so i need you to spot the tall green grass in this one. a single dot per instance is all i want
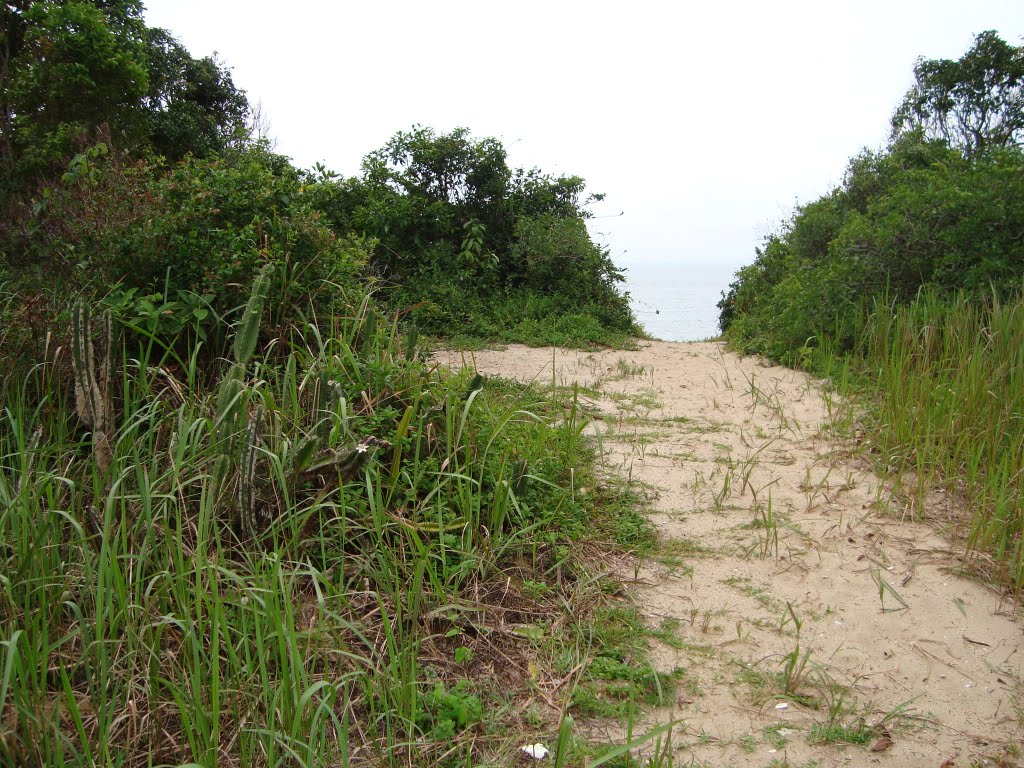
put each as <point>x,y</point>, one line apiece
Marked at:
<point>947,375</point>
<point>278,557</point>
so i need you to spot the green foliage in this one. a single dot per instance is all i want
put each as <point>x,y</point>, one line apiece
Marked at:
<point>462,237</point>
<point>192,105</point>
<point>300,549</point>
<point>187,313</point>
<point>618,678</point>
<point>251,532</point>
<point>941,207</point>
<point>73,72</point>
<point>919,215</point>
<point>974,104</point>
<point>67,71</point>
<point>947,395</point>
<point>444,712</point>
<point>173,249</point>
<point>911,272</point>
<point>555,255</point>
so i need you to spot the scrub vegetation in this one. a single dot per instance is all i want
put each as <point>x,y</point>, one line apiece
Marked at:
<point>903,285</point>
<point>244,520</point>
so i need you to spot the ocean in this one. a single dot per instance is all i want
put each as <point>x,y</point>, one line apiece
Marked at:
<point>675,301</point>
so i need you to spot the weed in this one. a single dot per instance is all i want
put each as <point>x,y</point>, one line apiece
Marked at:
<point>628,369</point>
<point>616,677</point>
<point>857,732</point>
<point>885,588</point>
<point>765,519</point>
<point>268,561</point>
<point>777,735</point>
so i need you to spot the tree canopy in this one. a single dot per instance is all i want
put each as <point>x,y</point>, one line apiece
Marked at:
<point>74,71</point>
<point>940,208</point>
<point>974,103</point>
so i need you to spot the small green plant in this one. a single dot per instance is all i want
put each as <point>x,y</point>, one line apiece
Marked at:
<point>766,521</point>
<point>885,588</point>
<point>856,732</point>
<point>794,670</point>
<point>777,735</point>
<point>444,712</point>
<point>628,369</point>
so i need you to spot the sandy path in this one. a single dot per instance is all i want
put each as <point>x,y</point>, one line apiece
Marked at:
<point>775,527</point>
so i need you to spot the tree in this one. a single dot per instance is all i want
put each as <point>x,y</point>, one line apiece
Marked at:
<point>422,189</point>
<point>72,71</point>
<point>462,235</point>
<point>974,103</point>
<point>449,168</point>
<point>192,105</point>
<point>66,70</point>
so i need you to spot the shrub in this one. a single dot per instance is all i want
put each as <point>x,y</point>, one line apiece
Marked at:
<point>174,247</point>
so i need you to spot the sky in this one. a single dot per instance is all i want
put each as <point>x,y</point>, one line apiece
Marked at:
<point>703,123</point>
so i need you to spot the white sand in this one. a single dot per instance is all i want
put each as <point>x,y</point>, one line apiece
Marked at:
<point>683,418</point>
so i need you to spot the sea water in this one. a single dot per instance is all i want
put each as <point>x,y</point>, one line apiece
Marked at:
<point>675,300</point>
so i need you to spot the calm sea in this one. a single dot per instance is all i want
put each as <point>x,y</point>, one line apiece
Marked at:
<point>675,301</point>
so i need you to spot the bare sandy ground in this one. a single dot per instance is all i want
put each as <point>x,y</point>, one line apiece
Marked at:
<point>802,612</point>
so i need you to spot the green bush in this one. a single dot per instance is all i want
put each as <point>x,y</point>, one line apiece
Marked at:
<point>173,249</point>
<point>464,238</point>
<point>918,216</point>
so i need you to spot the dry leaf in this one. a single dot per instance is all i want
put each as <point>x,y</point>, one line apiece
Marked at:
<point>881,744</point>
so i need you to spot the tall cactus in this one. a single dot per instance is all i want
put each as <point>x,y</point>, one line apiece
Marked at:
<point>229,397</point>
<point>251,517</point>
<point>249,329</point>
<point>231,407</point>
<point>92,382</point>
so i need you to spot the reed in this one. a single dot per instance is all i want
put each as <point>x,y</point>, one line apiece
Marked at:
<point>947,379</point>
<point>266,570</point>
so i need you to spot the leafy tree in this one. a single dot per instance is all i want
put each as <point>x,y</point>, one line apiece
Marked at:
<point>462,233</point>
<point>422,189</point>
<point>66,70</point>
<point>73,72</point>
<point>920,215</point>
<point>192,105</point>
<point>474,245</point>
<point>448,168</point>
<point>177,248</point>
<point>974,103</point>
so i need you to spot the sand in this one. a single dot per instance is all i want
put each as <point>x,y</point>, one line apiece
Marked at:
<point>787,546</point>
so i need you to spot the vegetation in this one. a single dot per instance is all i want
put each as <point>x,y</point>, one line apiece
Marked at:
<point>243,520</point>
<point>909,277</point>
<point>474,245</point>
<point>299,563</point>
<point>131,177</point>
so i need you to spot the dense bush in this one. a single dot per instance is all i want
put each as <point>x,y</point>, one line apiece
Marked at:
<point>465,239</point>
<point>918,215</point>
<point>172,249</point>
<point>74,72</point>
<point>937,209</point>
<point>131,181</point>
<point>909,275</point>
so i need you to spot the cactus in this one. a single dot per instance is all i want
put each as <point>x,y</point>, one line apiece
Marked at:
<point>410,343</point>
<point>367,348</point>
<point>92,383</point>
<point>251,519</point>
<point>249,329</point>
<point>231,406</point>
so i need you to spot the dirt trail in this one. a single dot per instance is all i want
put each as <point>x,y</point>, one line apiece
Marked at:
<point>801,609</point>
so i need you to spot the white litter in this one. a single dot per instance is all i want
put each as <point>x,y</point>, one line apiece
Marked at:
<point>782,705</point>
<point>536,751</point>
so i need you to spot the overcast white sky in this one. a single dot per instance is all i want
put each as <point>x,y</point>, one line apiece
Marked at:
<point>703,122</point>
